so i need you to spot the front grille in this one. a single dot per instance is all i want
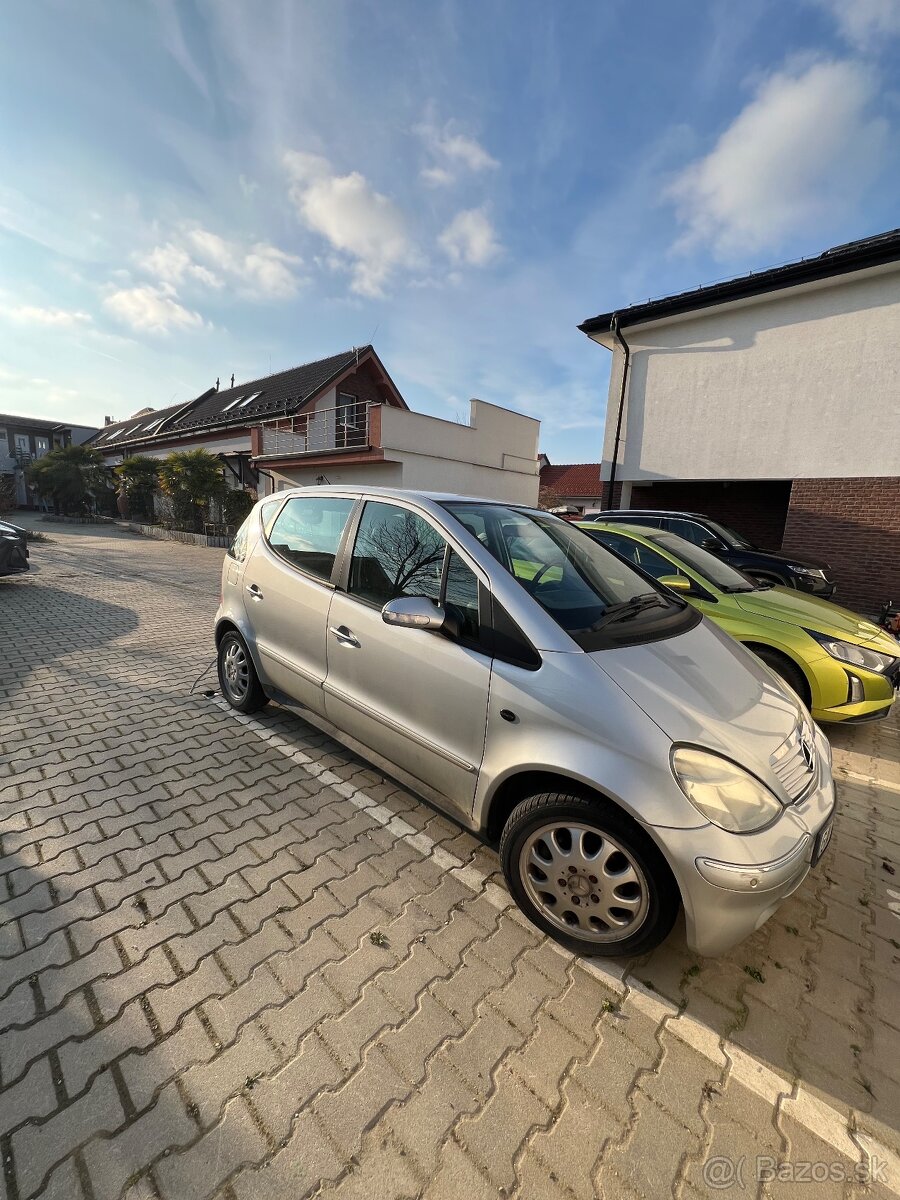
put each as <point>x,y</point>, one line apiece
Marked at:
<point>794,762</point>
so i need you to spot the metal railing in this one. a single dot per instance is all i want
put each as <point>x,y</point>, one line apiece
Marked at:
<point>344,427</point>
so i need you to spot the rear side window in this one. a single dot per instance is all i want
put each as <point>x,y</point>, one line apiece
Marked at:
<point>307,532</point>
<point>689,530</point>
<point>238,548</point>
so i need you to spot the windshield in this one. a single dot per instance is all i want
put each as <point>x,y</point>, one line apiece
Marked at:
<point>730,536</point>
<point>581,584</point>
<point>726,578</point>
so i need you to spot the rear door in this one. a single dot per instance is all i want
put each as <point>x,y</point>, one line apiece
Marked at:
<point>416,698</point>
<point>287,590</point>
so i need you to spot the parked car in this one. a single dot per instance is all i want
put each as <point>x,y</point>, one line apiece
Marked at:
<point>13,549</point>
<point>628,755</point>
<point>843,667</point>
<point>804,574</point>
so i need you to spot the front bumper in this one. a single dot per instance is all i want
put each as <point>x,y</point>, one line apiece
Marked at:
<point>731,884</point>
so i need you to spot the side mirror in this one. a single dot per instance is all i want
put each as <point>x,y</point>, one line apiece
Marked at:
<point>677,583</point>
<point>416,612</point>
<point>713,545</point>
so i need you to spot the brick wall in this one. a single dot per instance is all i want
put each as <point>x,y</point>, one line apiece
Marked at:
<point>757,509</point>
<point>361,385</point>
<point>853,524</point>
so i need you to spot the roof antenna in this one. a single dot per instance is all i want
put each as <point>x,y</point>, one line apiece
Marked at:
<point>232,378</point>
<point>217,383</point>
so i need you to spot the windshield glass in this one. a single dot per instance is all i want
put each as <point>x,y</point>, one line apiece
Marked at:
<point>726,578</point>
<point>580,583</point>
<point>730,536</point>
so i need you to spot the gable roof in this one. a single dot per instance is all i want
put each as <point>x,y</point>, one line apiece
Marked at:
<point>873,251</point>
<point>30,422</point>
<point>145,425</point>
<point>573,479</point>
<point>282,392</point>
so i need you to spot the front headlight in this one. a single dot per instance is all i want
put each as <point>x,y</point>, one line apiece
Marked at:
<point>808,572</point>
<point>723,792</point>
<point>856,656</point>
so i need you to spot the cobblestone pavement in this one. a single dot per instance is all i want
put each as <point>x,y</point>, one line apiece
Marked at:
<point>236,961</point>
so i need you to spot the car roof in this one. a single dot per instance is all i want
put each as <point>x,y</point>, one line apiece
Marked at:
<point>615,513</point>
<point>638,531</point>
<point>357,489</point>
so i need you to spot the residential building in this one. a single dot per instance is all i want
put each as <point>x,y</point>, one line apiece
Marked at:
<point>342,419</point>
<point>494,455</point>
<point>571,485</point>
<point>23,440</point>
<point>772,402</point>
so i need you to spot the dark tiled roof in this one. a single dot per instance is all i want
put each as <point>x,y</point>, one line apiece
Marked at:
<point>839,260</point>
<point>273,394</point>
<point>30,422</point>
<point>572,479</point>
<point>148,425</point>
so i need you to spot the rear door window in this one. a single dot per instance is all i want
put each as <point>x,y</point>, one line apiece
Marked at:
<point>307,532</point>
<point>689,530</point>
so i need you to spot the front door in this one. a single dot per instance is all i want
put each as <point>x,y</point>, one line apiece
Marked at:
<point>418,699</point>
<point>287,591</point>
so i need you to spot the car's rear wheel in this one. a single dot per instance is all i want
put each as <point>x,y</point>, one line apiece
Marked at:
<point>586,874</point>
<point>786,670</point>
<point>237,675</point>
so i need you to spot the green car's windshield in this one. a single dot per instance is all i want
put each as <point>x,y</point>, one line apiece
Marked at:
<point>726,578</point>
<point>582,585</point>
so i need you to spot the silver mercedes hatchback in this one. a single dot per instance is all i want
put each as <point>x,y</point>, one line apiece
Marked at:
<point>628,756</point>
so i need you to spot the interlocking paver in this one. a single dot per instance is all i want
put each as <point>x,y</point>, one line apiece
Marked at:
<point>197,1004</point>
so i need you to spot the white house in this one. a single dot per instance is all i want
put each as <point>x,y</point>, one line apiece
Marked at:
<point>772,402</point>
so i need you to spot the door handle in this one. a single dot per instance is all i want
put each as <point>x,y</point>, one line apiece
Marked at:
<point>344,635</point>
<point>254,591</point>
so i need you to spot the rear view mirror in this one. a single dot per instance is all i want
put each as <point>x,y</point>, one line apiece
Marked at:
<point>677,583</point>
<point>416,612</point>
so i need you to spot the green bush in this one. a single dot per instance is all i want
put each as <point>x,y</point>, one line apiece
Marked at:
<point>237,505</point>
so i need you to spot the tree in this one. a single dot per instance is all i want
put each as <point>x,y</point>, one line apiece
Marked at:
<point>139,479</point>
<point>192,478</point>
<point>72,476</point>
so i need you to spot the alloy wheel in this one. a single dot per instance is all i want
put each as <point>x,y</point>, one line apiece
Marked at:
<point>236,671</point>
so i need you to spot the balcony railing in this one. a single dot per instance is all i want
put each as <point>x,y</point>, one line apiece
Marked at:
<point>345,427</point>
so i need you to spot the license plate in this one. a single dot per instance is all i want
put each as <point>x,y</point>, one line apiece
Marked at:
<point>823,837</point>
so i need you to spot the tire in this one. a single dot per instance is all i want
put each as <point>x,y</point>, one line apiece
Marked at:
<point>237,675</point>
<point>554,825</point>
<point>786,670</point>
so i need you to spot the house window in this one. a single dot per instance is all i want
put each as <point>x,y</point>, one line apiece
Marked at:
<point>350,421</point>
<point>41,446</point>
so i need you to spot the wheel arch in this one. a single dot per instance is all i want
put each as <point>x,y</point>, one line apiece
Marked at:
<point>777,652</point>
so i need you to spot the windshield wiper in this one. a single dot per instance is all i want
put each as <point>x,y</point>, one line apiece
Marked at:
<point>628,609</point>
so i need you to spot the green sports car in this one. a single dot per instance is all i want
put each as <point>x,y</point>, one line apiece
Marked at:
<point>842,666</point>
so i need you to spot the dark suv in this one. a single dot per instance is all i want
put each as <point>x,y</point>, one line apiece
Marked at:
<point>13,549</point>
<point>807,575</point>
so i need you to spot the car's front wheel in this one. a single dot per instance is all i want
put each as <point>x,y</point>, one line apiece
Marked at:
<point>586,874</point>
<point>237,675</point>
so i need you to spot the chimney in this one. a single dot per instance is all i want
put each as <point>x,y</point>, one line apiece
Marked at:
<point>108,421</point>
<point>217,383</point>
<point>232,378</point>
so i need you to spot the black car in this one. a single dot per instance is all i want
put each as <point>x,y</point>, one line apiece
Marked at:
<point>13,549</point>
<point>807,575</point>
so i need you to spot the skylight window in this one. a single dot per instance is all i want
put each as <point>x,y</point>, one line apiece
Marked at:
<point>154,425</point>
<point>112,437</point>
<point>232,403</point>
<point>250,399</point>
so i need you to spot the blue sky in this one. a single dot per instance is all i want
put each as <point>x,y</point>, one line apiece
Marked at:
<point>190,188</point>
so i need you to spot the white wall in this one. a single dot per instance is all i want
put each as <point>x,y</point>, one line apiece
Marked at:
<point>221,445</point>
<point>803,383</point>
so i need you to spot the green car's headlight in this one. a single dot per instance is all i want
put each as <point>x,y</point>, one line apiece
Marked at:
<point>855,656</point>
<point>723,792</point>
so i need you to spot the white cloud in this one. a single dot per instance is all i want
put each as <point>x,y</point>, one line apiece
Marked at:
<point>151,309</point>
<point>799,155</point>
<point>864,23</point>
<point>470,238</point>
<point>32,314</point>
<point>366,229</point>
<point>453,152</point>
<point>260,271</point>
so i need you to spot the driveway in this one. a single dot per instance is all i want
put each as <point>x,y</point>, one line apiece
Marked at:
<point>238,962</point>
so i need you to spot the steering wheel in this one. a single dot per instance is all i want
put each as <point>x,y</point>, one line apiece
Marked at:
<point>536,579</point>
